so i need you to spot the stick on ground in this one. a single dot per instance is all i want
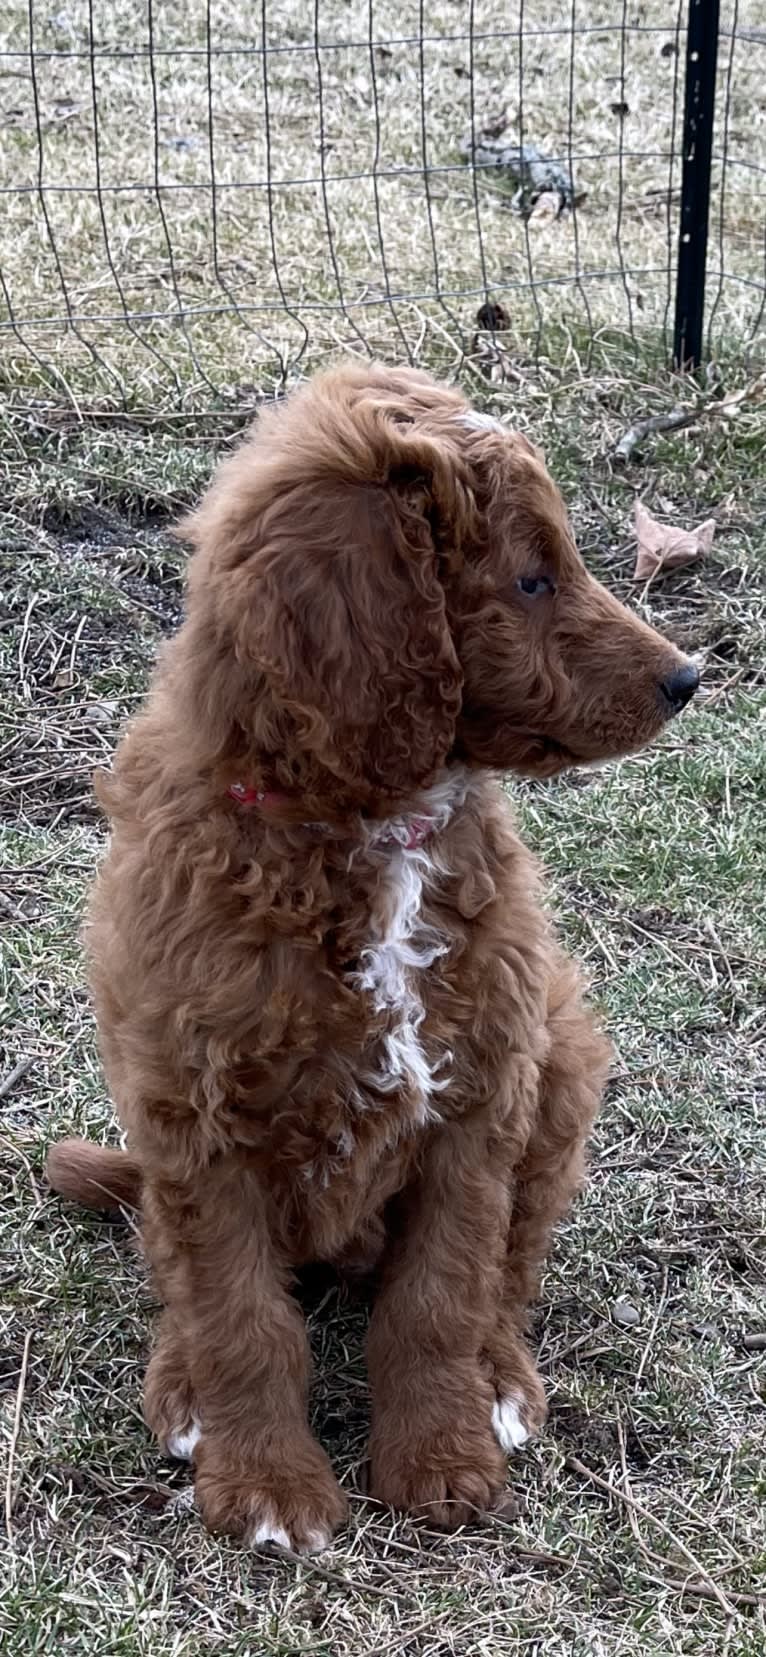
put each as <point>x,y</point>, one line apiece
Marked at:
<point>575,1465</point>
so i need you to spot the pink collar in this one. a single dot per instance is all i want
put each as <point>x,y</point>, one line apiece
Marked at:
<point>410,833</point>
<point>407,832</point>
<point>245,795</point>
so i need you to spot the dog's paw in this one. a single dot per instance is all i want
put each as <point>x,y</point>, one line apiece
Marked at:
<point>181,1443</point>
<point>449,1478</point>
<point>520,1405</point>
<point>169,1406</point>
<point>266,1529</point>
<point>284,1494</point>
<point>515,1419</point>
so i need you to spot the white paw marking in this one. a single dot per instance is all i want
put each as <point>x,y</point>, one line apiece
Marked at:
<point>475,421</point>
<point>270,1531</point>
<point>507,1424</point>
<point>182,1445</point>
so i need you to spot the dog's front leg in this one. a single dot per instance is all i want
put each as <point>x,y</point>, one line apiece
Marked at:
<point>432,1449</point>
<point>259,1472</point>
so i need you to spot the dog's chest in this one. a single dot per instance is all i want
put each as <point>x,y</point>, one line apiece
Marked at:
<point>400,953</point>
<point>383,1069</point>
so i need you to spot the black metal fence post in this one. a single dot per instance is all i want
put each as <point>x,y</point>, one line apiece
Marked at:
<point>699,110</point>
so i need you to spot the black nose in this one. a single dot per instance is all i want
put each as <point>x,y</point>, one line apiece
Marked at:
<point>679,688</point>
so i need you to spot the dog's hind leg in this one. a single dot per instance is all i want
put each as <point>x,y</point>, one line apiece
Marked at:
<point>95,1175</point>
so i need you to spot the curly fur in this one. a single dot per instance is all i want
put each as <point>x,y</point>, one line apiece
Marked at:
<point>330,1037</point>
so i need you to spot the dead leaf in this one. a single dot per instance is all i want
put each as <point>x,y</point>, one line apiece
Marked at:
<point>546,208</point>
<point>100,714</point>
<point>662,547</point>
<point>733,401</point>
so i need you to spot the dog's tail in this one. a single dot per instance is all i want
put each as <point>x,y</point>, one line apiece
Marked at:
<point>94,1175</point>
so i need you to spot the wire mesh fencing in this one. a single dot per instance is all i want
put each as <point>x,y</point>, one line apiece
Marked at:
<point>202,198</point>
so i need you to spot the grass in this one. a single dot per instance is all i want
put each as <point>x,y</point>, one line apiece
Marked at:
<point>642,1505</point>
<point>657,871</point>
<point>259,209</point>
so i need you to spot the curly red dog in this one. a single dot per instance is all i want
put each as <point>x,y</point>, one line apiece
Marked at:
<point>333,1015</point>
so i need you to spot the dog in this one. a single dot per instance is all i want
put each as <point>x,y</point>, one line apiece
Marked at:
<point>335,1020</point>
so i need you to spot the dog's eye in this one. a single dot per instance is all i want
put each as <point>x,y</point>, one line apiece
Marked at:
<point>533,586</point>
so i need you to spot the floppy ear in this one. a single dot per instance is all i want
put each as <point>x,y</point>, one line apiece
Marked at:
<point>342,610</point>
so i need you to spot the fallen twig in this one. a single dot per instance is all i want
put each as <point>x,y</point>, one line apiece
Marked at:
<point>657,1558</point>
<point>703,1590</point>
<point>47,776</point>
<point>676,419</point>
<point>334,1579</point>
<point>602,945</point>
<point>15,1430</point>
<point>713,1590</point>
<point>20,1069</point>
<point>713,696</point>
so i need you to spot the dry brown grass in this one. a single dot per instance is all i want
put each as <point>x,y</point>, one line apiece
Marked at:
<point>162,247</point>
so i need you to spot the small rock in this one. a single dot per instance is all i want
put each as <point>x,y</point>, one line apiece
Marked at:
<point>180,1502</point>
<point>181,141</point>
<point>101,714</point>
<point>625,1314</point>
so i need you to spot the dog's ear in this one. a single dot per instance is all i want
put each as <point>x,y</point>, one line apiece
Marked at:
<point>322,545</point>
<point>343,611</point>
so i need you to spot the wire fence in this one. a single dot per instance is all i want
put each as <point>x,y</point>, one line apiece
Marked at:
<point>203,198</point>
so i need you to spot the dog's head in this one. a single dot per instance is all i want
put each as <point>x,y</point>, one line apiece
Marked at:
<point>385,580</point>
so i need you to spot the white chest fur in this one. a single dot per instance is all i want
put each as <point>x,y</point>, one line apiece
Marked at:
<point>402,947</point>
